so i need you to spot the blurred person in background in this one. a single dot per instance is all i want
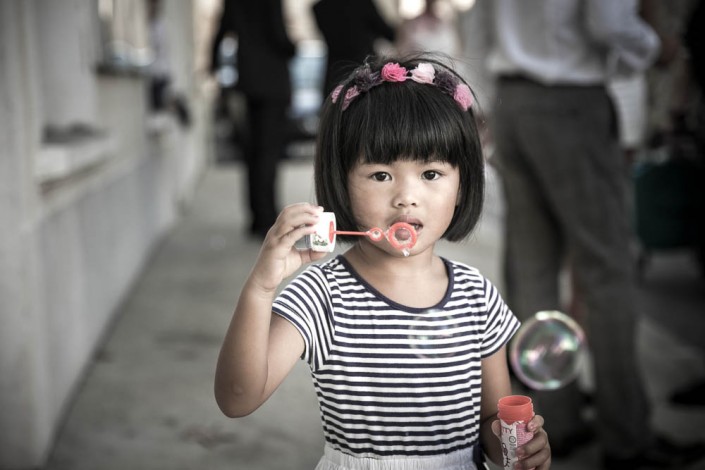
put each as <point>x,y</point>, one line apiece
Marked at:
<point>160,67</point>
<point>162,96</point>
<point>562,169</point>
<point>263,54</point>
<point>350,29</point>
<point>629,90</point>
<point>683,119</point>
<point>633,101</point>
<point>431,31</point>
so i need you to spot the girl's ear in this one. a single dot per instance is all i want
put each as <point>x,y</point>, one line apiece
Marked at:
<point>458,196</point>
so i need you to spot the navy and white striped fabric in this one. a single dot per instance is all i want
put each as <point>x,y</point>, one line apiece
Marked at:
<point>393,380</point>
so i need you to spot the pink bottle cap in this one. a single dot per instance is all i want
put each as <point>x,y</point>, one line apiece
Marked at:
<point>515,408</point>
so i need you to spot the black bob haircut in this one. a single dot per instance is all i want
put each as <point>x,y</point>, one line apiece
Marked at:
<point>398,121</point>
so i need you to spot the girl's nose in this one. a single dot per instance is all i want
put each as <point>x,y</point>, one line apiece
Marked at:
<point>405,195</point>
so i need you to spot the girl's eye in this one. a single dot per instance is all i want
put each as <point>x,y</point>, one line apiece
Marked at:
<point>431,175</point>
<point>381,176</point>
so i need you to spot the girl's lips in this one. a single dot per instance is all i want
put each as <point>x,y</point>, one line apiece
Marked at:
<point>413,221</point>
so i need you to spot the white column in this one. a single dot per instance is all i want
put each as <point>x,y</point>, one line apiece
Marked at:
<point>25,421</point>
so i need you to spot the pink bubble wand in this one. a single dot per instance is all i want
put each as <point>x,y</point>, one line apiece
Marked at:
<point>401,235</point>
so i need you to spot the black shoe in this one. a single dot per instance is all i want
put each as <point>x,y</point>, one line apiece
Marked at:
<point>663,454</point>
<point>564,446</point>
<point>692,395</point>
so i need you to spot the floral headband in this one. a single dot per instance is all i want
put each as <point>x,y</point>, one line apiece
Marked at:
<point>365,79</point>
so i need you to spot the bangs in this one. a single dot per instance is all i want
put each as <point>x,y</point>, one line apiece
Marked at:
<point>412,122</point>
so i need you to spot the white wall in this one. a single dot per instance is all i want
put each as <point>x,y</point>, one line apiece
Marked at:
<point>71,245</point>
<point>72,68</point>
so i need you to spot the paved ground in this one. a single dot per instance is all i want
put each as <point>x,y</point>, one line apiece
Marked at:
<point>147,402</point>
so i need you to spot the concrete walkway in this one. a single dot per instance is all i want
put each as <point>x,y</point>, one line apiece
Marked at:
<point>147,400</point>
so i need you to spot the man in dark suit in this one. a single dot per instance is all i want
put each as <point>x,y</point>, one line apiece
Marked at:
<point>264,50</point>
<point>350,29</point>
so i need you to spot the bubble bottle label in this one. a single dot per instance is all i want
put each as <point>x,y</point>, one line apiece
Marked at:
<point>323,239</point>
<point>513,435</point>
<point>515,412</point>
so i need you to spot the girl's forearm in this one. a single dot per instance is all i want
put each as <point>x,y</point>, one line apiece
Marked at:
<point>242,370</point>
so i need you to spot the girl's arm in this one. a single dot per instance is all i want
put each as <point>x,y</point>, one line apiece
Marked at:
<point>535,454</point>
<point>495,385</point>
<point>260,348</point>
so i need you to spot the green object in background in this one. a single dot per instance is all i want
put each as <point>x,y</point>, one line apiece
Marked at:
<point>663,208</point>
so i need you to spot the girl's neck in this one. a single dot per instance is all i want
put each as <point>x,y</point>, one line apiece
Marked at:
<point>418,280</point>
<point>371,258</point>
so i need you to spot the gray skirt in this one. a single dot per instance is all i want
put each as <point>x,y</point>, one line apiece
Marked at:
<point>335,460</point>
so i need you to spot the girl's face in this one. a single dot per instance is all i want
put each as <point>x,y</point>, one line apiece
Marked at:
<point>421,194</point>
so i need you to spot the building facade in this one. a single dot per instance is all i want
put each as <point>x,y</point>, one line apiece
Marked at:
<point>90,179</point>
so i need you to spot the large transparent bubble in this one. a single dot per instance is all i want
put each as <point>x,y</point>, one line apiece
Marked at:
<point>548,351</point>
<point>434,334</point>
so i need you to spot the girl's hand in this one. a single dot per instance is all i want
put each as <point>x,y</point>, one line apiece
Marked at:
<point>535,454</point>
<point>278,259</point>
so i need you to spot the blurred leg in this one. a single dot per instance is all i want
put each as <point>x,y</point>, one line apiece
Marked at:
<point>570,139</point>
<point>267,121</point>
<point>534,243</point>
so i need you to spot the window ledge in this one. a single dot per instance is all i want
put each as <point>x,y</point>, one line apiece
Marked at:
<point>160,123</point>
<point>122,69</point>
<point>61,160</point>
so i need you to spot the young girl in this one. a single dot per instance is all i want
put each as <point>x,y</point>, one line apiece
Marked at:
<point>406,350</point>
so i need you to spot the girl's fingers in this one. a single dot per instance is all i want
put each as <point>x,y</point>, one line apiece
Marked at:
<point>496,428</point>
<point>278,258</point>
<point>541,460</point>
<point>539,441</point>
<point>535,423</point>
<point>294,217</point>
<point>536,452</point>
<point>291,219</point>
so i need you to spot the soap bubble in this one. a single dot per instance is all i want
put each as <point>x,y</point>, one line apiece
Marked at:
<point>548,351</point>
<point>432,334</point>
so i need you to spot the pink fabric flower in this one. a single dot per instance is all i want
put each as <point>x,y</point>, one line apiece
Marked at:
<point>335,93</point>
<point>423,73</point>
<point>349,96</point>
<point>393,72</point>
<point>463,96</point>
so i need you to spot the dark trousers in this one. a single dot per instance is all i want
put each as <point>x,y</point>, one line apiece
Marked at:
<point>564,186</point>
<point>267,124</point>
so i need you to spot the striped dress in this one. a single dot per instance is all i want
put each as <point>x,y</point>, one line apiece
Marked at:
<point>394,381</point>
